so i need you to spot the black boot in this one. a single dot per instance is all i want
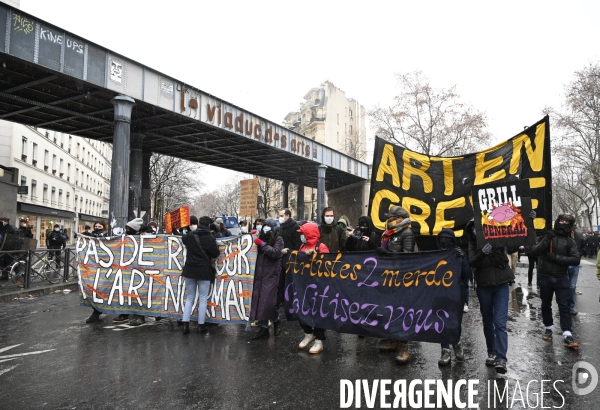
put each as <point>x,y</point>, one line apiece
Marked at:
<point>277,328</point>
<point>263,333</point>
<point>202,328</point>
<point>186,328</point>
<point>95,317</point>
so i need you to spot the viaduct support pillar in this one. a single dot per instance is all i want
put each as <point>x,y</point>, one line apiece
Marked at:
<point>285,186</point>
<point>321,191</point>
<point>119,182</point>
<point>146,201</point>
<point>135,175</point>
<point>300,202</point>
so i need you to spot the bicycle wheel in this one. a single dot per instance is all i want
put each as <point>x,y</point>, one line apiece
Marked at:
<point>51,272</point>
<point>17,273</point>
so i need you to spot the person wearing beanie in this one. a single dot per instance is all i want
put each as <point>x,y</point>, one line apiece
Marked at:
<point>397,238</point>
<point>133,226</point>
<point>446,240</point>
<point>202,249</point>
<point>556,252</point>
<point>266,280</point>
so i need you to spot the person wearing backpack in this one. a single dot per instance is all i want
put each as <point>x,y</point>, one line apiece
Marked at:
<point>556,252</point>
<point>56,240</point>
<point>330,233</point>
<point>202,248</point>
<point>311,243</point>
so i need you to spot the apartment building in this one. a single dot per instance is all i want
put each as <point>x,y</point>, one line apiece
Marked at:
<point>64,179</point>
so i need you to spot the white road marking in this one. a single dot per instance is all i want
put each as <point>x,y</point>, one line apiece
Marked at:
<point>7,360</point>
<point>24,354</point>
<point>4,349</point>
<point>8,369</point>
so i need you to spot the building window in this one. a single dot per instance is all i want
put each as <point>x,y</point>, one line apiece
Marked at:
<point>338,119</point>
<point>68,172</point>
<point>61,169</point>
<point>70,143</point>
<point>46,160</point>
<point>350,112</point>
<point>54,164</point>
<point>33,193</point>
<point>338,137</point>
<point>24,149</point>
<point>350,129</point>
<point>34,154</point>
<point>45,194</point>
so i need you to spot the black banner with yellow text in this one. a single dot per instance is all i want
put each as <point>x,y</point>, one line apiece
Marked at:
<point>436,191</point>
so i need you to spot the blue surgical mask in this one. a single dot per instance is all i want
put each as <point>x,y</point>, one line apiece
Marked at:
<point>303,238</point>
<point>57,229</point>
<point>266,229</point>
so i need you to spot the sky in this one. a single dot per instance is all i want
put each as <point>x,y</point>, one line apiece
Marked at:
<point>509,59</point>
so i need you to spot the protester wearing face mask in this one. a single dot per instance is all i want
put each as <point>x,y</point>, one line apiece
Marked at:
<point>556,252</point>
<point>397,238</point>
<point>364,237</point>
<point>310,238</point>
<point>243,227</point>
<point>492,275</point>
<point>55,240</point>
<point>100,229</point>
<point>201,249</point>
<point>24,231</point>
<point>258,223</point>
<point>266,279</point>
<point>331,234</point>
<point>446,240</point>
<point>288,229</point>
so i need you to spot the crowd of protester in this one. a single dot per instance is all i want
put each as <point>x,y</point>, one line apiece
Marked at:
<point>491,269</point>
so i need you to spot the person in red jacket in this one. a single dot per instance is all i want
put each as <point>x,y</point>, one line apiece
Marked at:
<point>310,243</point>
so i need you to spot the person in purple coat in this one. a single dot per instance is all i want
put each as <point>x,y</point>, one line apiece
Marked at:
<point>266,279</point>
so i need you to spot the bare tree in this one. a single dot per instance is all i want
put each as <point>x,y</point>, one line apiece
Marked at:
<point>173,183</point>
<point>428,120</point>
<point>356,145</point>
<point>270,190</point>
<point>578,123</point>
<point>574,192</point>
<point>222,201</point>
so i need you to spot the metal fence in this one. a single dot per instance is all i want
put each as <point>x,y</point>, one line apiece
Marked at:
<point>25,267</point>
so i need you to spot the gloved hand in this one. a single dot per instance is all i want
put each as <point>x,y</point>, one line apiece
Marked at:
<point>532,214</point>
<point>487,249</point>
<point>382,251</point>
<point>551,257</point>
<point>550,234</point>
<point>285,251</point>
<point>259,242</point>
<point>310,252</point>
<point>460,252</point>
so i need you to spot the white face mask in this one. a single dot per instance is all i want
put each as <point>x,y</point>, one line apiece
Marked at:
<point>184,231</point>
<point>244,229</point>
<point>57,229</point>
<point>266,229</point>
<point>303,238</point>
<point>258,228</point>
<point>329,220</point>
<point>281,219</point>
<point>23,225</point>
<point>193,227</point>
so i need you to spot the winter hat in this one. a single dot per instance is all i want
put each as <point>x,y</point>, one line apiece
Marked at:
<point>135,224</point>
<point>193,220</point>
<point>5,219</point>
<point>219,220</point>
<point>397,211</point>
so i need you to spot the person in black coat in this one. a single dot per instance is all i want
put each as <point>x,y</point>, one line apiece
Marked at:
<point>288,230</point>
<point>24,231</point>
<point>266,279</point>
<point>201,248</point>
<point>556,252</point>
<point>492,275</point>
<point>364,237</point>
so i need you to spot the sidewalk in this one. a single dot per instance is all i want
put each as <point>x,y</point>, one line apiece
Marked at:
<point>10,292</point>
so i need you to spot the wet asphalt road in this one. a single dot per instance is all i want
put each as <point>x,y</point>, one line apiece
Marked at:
<point>50,359</point>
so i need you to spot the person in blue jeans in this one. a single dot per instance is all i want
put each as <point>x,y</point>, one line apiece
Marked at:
<point>201,247</point>
<point>447,240</point>
<point>573,273</point>
<point>556,252</point>
<point>492,275</point>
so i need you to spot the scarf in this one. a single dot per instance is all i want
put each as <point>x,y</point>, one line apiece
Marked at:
<point>393,227</point>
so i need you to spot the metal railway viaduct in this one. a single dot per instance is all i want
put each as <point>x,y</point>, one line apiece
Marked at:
<point>53,79</point>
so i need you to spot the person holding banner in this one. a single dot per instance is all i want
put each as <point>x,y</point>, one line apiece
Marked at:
<point>198,271</point>
<point>364,237</point>
<point>492,275</point>
<point>397,238</point>
<point>447,240</point>
<point>310,237</point>
<point>556,252</point>
<point>266,280</point>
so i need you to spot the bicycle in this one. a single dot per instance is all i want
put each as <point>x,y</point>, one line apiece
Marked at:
<point>48,271</point>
